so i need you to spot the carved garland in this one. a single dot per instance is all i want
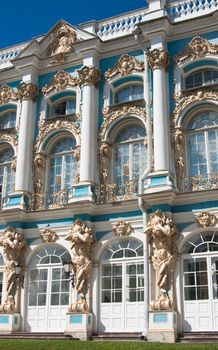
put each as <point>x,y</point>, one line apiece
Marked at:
<point>126,65</point>
<point>61,81</point>
<point>197,48</point>
<point>7,94</point>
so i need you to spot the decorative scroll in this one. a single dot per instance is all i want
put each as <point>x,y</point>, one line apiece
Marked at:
<point>62,43</point>
<point>45,127</point>
<point>122,228</point>
<point>49,236</point>
<point>185,99</point>
<point>197,48</point>
<point>206,219</point>
<point>163,235</point>
<point>7,94</point>
<point>89,75</point>
<point>82,238</point>
<point>179,145</point>
<point>126,65</point>
<point>111,114</point>
<point>9,137</point>
<point>14,246</point>
<point>28,91</point>
<point>158,59</point>
<point>61,81</point>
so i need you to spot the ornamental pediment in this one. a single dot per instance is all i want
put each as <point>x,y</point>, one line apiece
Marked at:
<point>126,65</point>
<point>197,48</point>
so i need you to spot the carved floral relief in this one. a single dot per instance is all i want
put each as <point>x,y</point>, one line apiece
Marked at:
<point>7,94</point>
<point>122,228</point>
<point>206,219</point>
<point>61,81</point>
<point>126,65</point>
<point>48,235</point>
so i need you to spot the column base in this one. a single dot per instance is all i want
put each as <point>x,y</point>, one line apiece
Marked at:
<point>9,323</point>
<point>162,326</point>
<point>79,325</point>
<point>15,200</point>
<point>82,191</point>
<point>158,181</point>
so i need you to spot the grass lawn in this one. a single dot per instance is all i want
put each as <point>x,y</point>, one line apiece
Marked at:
<point>91,345</point>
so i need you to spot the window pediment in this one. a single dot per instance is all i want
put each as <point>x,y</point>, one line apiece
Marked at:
<point>197,48</point>
<point>125,65</point>
<point>62,81</point>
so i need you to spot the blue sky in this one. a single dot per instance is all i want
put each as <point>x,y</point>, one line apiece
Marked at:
<point>22,20</point>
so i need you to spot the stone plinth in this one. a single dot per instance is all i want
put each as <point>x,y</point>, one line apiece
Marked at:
<point>162,326</point>
<point>9,323</point>
<point>79,325</point>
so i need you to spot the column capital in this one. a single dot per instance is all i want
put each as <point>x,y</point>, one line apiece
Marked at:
<point>89,75</point>
<point>28,91</point>
<point>158,59</point>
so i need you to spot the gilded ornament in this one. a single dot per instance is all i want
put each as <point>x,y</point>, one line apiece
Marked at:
<point>197,48</point>
<point>28,91</point>
<point>45,127</point>
<point>158,59</point>
<point>163,235</point>
<point>13,248</point>
<point>61,43</point>
<point>62,80</point>
<point>7,94</point>
<point>122,228</point>
<point>111,114</point>
<point>105,154</point>
<point>82,238</point>
<point>39,164</point>
<point>179,149</point>
<point>9,137</point>
<point>49,236</point>
<point>89,76</point>
<point>206,219</point>
<point>126,65</point>
<point>184,99</point>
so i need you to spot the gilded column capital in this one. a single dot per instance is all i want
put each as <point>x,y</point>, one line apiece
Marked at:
<point>28,91</point>
<point>89,75</point>
<point>158,59</point>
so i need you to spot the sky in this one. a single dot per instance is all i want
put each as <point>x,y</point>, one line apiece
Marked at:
<point>22,20</point>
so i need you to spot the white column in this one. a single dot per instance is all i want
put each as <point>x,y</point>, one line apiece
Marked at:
<point>89,77</point>
<point>23,176</point>
<point>158,60</point>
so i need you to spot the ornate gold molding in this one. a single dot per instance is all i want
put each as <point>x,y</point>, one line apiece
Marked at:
<point>7,94</point>
<point>122,228</point>
<point>39,165</point>
<point>9,137</point>
<point>110,114</point>
<point>89,76</point>
<point>179,150</point>
<point>13,249</point>
<point>158,59</point>
<point>28,91</point>
<point>125,65</point>
<point>82,238</point>
<point>61,81</point>
<point>185,99</point>
<point>163,235</point>
<point>197,48</point>
<point>61,43</point>
<point>48,235</point>
<point>206,219</point>
<point>45,127</point>
<point>104,158</point>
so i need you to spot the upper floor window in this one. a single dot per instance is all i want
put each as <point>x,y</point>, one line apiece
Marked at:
<point>129,93</point>
<point>62,165</point>
<point>202,149</point>
<point>129,154</point>
<point>201,78</point>
<point>8,120</point>
<point>65,107</point>
<point>6,172</point>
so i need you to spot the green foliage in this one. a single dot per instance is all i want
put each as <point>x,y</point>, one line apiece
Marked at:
<point>91,345</point>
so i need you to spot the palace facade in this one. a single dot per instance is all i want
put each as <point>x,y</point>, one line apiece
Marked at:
<point>109,175</point>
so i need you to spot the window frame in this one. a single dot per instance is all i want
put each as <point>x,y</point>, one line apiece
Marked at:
<point>59,102</point>
<point>5,177</point>
<point>4,114</point>
<point>202,72</point>
<point>124,86</point>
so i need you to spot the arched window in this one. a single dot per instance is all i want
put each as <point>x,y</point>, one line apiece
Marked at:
<point>1,276</point>
<point>131,92</point>
<point>129,154</point>
<point>64,107</point>
<point>201,78</point>
<point>202,149</point>
<point>8,120</point>
<point>62,165</point>
<point>6,172</point>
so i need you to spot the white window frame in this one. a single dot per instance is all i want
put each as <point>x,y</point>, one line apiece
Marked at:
<point>124,86</point>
